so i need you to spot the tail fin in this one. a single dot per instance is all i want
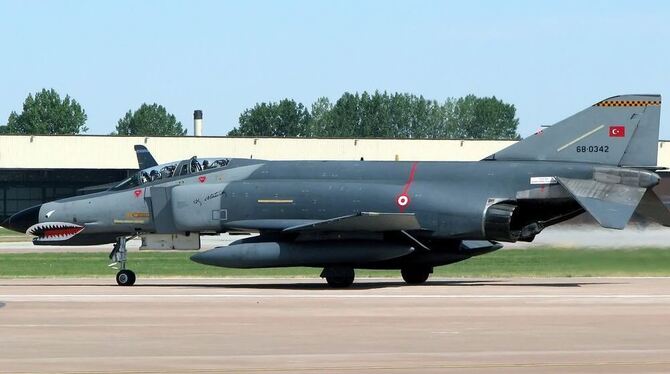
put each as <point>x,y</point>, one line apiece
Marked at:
<point>144,158</point>
<point>621,130</point>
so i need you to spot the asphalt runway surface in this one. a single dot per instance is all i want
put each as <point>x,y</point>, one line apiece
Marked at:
<point>300,325</point>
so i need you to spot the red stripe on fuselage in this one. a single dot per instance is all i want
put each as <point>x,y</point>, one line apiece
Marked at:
<point>411,178</point>
<point>405,190</point>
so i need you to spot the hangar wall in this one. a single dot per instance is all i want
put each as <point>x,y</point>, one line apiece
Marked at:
<point>116,152</point>
<point>34,169</point>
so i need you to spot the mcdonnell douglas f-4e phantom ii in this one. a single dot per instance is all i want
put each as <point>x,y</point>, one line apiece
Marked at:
<point>344,215</point>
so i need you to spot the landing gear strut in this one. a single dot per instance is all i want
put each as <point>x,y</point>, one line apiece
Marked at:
<point>338,277</point>
<point>119,255</point>
<point>416,275</point>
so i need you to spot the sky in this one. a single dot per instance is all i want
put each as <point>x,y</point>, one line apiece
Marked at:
<point>548,58</point>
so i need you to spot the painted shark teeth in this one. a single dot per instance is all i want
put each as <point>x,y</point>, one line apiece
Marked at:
<point>54,231</point>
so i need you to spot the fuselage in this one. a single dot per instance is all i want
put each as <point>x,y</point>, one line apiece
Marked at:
<point>449,199</point>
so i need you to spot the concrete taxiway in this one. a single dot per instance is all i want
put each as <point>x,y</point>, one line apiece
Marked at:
<point>287,325</point>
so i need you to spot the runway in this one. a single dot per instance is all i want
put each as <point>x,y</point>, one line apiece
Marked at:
<point>287,325</point>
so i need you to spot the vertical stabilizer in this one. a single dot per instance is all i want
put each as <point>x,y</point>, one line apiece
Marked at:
<point>621,130</point>
<point>144,158</point>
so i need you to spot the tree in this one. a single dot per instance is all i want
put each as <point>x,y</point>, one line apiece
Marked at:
<point>345,117</point>
<point>46,114</point>
<point>286,118</point>
<point>383,115</point>
<point>149,120</point>
<point>483,118</point>
<point>321,119</point>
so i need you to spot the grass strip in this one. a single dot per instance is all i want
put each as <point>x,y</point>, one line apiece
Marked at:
<point>536,262</point>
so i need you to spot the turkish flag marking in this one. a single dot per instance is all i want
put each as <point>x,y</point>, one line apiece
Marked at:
<point>137,193</point>
<point>617,131</point>
<point>202,178</point>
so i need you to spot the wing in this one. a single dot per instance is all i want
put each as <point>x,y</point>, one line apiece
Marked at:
<point>364,221</point>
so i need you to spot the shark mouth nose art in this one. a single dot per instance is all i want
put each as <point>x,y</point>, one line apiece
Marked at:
<point>54,231</point>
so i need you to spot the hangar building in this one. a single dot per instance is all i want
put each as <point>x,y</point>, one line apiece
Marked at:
<point>35,169</point>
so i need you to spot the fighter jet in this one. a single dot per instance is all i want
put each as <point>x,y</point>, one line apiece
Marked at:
<point>347,215</point>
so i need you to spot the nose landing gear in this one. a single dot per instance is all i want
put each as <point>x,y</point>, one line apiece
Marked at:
<point>119,255</point>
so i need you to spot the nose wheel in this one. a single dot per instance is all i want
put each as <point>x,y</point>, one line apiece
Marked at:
<point>119,256</point>
<point>125,277</point>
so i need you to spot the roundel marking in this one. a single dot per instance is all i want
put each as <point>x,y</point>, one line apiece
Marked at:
<point>403,200</point>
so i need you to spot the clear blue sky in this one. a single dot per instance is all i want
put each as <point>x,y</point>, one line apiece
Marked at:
<point>550,59</point>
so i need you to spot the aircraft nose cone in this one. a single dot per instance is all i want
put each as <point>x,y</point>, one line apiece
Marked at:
<point>21,221</point>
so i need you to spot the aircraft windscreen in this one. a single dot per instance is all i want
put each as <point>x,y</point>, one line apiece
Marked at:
<point>166,171</point>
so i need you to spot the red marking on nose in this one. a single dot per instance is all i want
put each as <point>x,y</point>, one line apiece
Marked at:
<point>62,231</point>
<point>137,192</point>
<point>202,178</point>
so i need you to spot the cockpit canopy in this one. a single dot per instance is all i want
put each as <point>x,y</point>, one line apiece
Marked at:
<point>162,172</point>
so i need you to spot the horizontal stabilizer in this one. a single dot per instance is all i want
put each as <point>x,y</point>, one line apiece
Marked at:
<point>652,207</point>
<point>365,221</point>
<point>611,204</point>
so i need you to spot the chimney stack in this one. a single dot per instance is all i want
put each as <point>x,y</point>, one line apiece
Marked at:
<point>197,122</point>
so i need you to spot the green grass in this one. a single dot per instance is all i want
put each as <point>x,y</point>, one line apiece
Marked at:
<point>12,236</point>
<point>5,232</point>
<point>536,262</point>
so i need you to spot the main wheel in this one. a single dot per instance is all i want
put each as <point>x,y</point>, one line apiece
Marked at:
<point>415,275</point>
<point>125,278</point>
<point>340,277</point>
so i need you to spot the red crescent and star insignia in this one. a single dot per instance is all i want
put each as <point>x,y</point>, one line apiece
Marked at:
<point>617,131</point>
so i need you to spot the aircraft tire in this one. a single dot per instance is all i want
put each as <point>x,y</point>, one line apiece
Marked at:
<point>415,275</point>
<point>342,280</point>
<point>125,278</point>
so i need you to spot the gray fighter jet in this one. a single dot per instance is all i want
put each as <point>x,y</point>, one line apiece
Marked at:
<point>345,215</point>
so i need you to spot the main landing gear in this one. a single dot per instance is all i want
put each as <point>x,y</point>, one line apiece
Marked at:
<point>339,277</point>
<point>343,277</point>
<point>416,275</point>
<point>119,257</point>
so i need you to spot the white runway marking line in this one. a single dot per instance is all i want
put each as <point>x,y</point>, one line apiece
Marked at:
<point>143,297</point>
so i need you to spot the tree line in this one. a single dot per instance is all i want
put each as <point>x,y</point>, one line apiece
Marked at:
<point>382,115</point>
<point>364,115</point>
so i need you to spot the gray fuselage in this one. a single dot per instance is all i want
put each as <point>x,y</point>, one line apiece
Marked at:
<point>448,198</point>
